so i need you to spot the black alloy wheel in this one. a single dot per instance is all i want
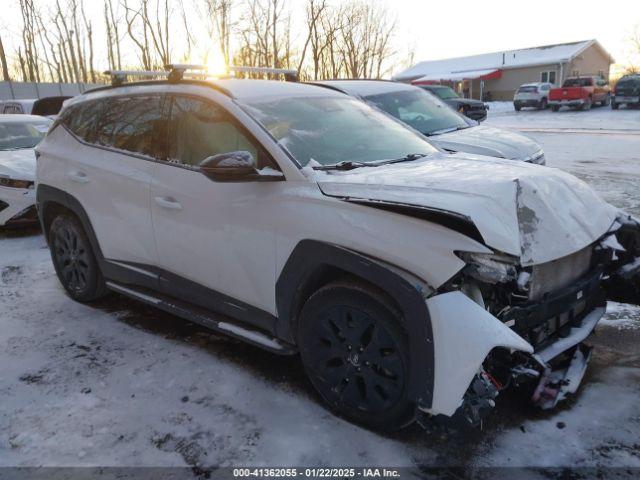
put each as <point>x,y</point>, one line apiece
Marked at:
<point>74,260</point>
<point>355,355</point>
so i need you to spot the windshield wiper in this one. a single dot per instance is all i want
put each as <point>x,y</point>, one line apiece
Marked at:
<point>446,130</point>
<point>344,165</point>
<point>407,158</point>
<point>349,165</point>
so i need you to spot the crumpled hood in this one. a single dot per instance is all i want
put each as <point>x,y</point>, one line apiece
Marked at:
<point>490,141</point>
<point>18,164</point>
<point>537,213</point>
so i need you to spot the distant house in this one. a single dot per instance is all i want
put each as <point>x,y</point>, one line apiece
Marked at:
<point>499,74</point>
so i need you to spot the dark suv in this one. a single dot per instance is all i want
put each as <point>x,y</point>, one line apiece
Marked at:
<point>627,91</point>
<point>474,109</point>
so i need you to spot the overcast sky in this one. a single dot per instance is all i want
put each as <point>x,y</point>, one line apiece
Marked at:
<point>442,29</point>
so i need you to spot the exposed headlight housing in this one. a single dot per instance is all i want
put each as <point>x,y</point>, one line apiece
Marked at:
<point>10,182</point>
<point>490,267</point>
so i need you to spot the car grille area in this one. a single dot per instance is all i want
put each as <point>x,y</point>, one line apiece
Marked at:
<point>558,274</point>
<point>561,294</point>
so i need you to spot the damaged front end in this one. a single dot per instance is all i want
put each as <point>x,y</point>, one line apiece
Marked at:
<point>554,307</point>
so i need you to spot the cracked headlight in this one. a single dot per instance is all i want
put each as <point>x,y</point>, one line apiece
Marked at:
<point>490,268</point>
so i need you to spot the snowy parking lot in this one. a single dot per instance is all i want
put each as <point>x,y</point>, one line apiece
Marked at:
<point>122,384</point>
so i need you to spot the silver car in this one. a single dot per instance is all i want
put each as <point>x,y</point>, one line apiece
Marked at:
<point>446,128</point>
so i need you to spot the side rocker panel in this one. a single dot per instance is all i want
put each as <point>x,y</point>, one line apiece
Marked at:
<point>311,256</point>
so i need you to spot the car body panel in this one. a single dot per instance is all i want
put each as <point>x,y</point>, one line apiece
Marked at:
<point>489,141</point>
<point>114,189</point>
<point>535,213</point>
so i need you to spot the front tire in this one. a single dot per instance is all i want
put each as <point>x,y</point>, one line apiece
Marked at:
<point>517,107</point>
<point>356,355</point>
<point>606,101</point>
<point>555,108</point>
<point>614,106</point>
<point>543,104</point>
<point>74,260</point>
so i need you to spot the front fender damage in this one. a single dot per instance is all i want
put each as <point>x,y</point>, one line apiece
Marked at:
<point>477,355</point>
<point>463,335</point>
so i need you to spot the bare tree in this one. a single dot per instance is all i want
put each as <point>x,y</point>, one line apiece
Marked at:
<point>219,15</point>
<point>3,61</point>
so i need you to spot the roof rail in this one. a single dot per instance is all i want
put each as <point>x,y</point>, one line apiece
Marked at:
<point>118,77</point>
<point>289,75</point>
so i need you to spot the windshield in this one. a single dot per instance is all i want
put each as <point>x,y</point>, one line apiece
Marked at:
<point>16,135</point>
<point>418,109</point>
<point>528,89</point>
<point>444,92</point>
<point>335,129</point>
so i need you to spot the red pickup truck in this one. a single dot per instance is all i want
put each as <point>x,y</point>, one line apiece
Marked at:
<point>580,93</point>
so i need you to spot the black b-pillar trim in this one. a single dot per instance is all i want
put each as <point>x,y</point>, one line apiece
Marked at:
<point>311,256</point>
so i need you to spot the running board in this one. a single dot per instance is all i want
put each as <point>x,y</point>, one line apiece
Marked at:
<point>211,320</point>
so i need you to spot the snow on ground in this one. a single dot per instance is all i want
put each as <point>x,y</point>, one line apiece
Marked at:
<point>502,114</point>
<point>119,383</point>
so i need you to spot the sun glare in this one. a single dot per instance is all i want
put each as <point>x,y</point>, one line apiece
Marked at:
<point>216,65</point>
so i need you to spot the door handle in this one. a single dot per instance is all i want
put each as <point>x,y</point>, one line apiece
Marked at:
<point>78,177</point>
<point>168,203</point>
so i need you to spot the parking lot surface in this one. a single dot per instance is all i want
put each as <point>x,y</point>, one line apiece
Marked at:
<point>120,383</point>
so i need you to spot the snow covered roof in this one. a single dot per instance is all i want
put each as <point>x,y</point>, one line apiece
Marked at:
<point>526,57</point>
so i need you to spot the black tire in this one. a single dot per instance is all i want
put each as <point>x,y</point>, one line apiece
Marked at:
<point>74,260</point>
<point>543,104</point>
<point>614,105</point>
<point>555,108</point>
<point>517,107</point>
<point>355,353</point>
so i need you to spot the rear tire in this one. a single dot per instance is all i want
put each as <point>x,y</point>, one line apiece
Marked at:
<point>356,355</point>
<point>543,104</point>
<point>606,101</point>
<point>614,106</point>
<point>555,108</point>
<point>74,260</point>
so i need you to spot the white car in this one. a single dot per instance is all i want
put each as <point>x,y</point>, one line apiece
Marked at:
<point>532,95</point>
<point>445,127</point>
<point>19,134</point>
<point>410,281</point>
<point>17,107</point>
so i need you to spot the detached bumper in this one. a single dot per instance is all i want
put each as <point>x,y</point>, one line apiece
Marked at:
<point>556,384</point>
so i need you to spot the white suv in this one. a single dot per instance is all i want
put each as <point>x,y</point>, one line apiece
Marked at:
<point>299,219</point>
<point>532,95</point>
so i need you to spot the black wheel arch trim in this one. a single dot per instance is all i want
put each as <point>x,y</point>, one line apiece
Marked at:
<point>310,256</point>
<point>46,194</point>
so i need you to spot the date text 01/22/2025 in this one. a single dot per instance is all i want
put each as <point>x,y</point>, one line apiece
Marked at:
<point>316,472</point>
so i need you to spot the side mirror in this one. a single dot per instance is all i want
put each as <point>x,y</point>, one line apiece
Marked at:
<point>237,166</point>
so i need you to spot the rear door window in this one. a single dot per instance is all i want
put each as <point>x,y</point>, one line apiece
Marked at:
<point>81,119</point>
<point>133,124</point>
